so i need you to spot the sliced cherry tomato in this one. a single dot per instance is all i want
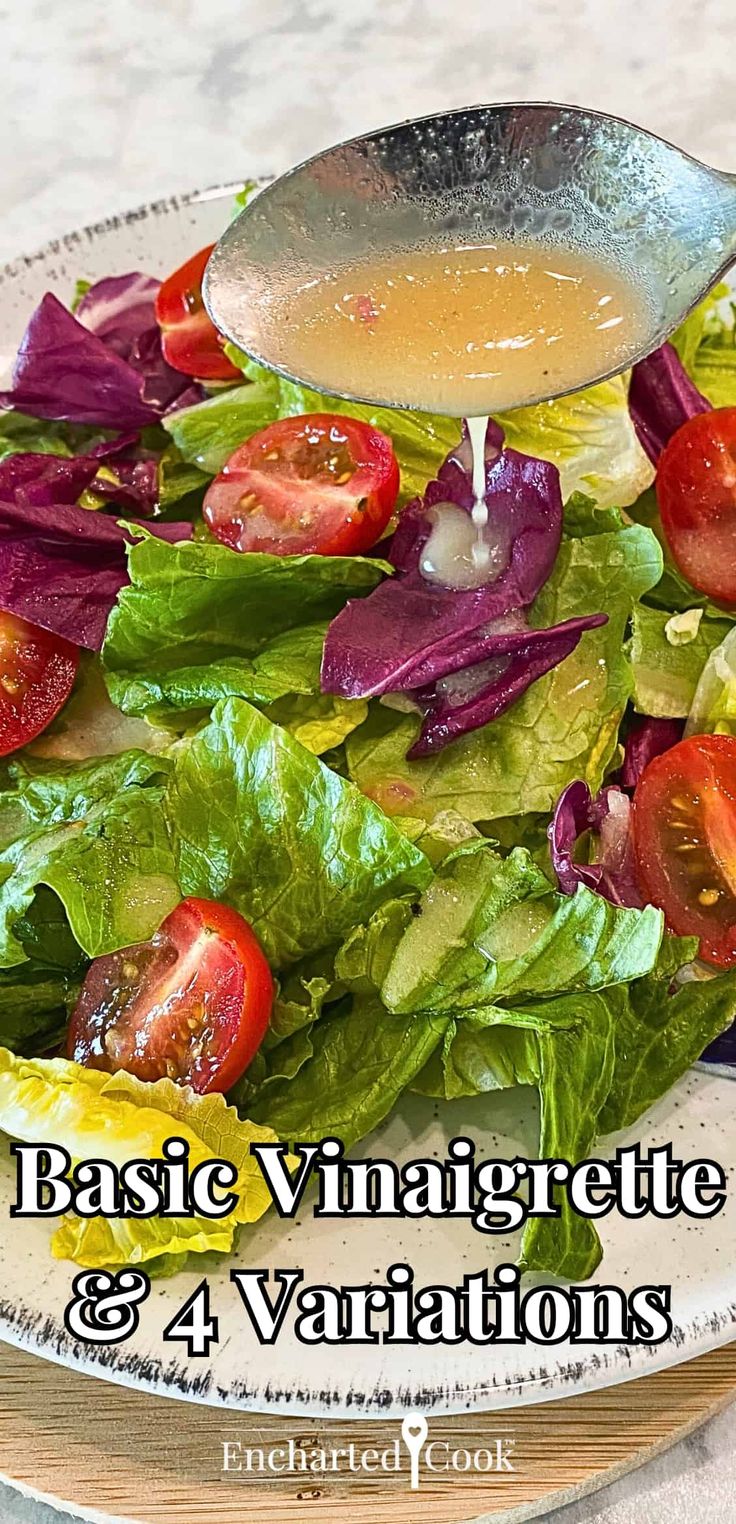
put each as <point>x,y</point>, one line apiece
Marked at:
<point>696,493</point>
<point>193,1004</point>
<point>685,841</point>
<point>189,339</point>
<point>317,484</point>
<point>37,672</point>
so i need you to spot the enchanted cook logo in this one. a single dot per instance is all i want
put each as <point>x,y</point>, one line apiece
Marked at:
<point>311,1458</point>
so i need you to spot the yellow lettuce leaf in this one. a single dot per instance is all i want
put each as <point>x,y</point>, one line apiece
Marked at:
<point>120,1118</point>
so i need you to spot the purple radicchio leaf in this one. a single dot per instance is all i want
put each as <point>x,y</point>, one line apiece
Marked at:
<point>135,489</point>
<point>647,739</point>
<point>118,309</point>
<point>54,478</point>
<point>409,631</point>
<point>661,398</point>
<point>121,311</point>
<point>493,672</point>
<point>65,372</point>
<point>62,566</point>
<point>103,367</point>
<point>608,816</point>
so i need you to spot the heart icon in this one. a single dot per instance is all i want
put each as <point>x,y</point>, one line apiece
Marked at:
<point>414,1432</point>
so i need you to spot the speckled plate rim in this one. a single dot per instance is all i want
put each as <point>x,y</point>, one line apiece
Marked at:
<point>46,1336</point>
<point>73,241</point>
<point>539,1374</point>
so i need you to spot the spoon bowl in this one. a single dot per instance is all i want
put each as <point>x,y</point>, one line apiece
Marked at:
<point>543,174</point>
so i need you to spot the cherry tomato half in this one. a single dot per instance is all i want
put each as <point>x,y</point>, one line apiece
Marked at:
<point>317,484</point>
<point>193,1004</point>
<point>37,672</point>
<point>696,493</point>
<point>685,841</point>
<point>189,339</point>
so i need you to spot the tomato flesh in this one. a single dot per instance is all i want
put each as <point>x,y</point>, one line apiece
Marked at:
<point>319,484</point>
<point>37,672</point>
<point>696,494</point>
<point>192,1005</point>
<point>684,819</point>
<point>189,339</point>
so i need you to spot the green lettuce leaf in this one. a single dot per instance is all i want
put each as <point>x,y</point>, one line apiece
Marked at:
<point>667,667</point>
<point>34,1006</point>
<point>713,704</point>
<point>590,438</point>
<point>597,1059</point>
<point>565,726</point>
<point>300,1000</point>
<point>487,940</point>
<point>243,197</point>
<point>260,822</point>
<point>565,1049</point>
<point>583,516</point>
<point>94,833</point>
<point>529,984</point>
<point>180,484</point>
<point>362,1061</point>
<point>119,1118</point>
<point>272,1067</point>
<point>659,1035</point>
<point>706,344</point>
<point>207,434</point>
<point>201,622</point>
<point>20,433</point>
<point>46,937</point>
<point>318,721</point>
<point>490,928</point>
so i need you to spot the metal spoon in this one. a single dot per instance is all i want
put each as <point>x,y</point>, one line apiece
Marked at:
<point>568,177</point>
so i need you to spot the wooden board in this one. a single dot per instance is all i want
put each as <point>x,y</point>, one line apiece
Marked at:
<point>109,1452</point>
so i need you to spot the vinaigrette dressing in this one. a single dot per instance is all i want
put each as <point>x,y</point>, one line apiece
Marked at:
<point>461,331</point>
<point>464,331</point>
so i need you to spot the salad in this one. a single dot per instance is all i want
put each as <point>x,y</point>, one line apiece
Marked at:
<point>288,826</point>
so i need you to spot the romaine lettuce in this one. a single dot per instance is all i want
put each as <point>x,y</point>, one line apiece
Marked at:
<point>491,929</point>
<point>706,344</point>
<point>200,622</point>
<point>258,821</point>
<point>666,668</point>
<point>119,1118</point>
<point>361,1062</point>
<point>93,832</point>
<point>590,438</point>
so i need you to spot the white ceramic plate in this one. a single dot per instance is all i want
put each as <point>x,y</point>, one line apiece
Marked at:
<point>697,1117</point>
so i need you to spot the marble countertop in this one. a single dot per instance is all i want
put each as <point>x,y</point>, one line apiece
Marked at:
<point>106,107</point>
